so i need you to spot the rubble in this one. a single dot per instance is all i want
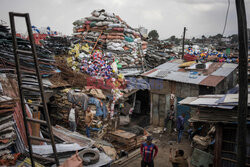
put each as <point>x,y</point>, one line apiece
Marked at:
<point>7,63</point>
<point>124,140</point>
<point>59,45</point>
<point>159,52</point>
<point>7,131</point>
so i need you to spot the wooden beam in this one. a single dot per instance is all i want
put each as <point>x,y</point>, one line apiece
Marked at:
<point>243,83</point>
<point>217,147</point>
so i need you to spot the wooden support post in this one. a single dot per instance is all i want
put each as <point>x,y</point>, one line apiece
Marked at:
<point>217,147</point>
<point>243,83</point>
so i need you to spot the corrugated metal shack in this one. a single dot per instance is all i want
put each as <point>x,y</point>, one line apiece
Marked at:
<point>170,84</point>
<point>221,111</point>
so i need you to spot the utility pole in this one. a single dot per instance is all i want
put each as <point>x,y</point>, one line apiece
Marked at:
<point>243,94</point>
<point>183,42</point>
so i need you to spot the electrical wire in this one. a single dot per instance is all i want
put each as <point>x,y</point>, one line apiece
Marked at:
<point>226,18</point>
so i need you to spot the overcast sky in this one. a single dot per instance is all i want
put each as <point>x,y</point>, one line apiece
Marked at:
<point>168,17</point>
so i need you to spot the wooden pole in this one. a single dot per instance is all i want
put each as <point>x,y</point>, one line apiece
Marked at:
<point>183,40</point>
<point>218,144</point>
<point>243,83</point>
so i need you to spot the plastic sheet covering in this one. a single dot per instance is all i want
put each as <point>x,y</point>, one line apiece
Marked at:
<point>60,148</point>
<point>78,98</point>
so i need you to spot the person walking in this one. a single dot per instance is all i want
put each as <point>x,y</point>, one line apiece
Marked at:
<point>148,152</point>
<point>180,126</point>
<point>178,160</point>
<point>88,121</point>
<point>73,115</point>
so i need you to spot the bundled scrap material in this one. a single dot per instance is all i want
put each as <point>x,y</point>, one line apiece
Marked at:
<point>7,131</point>
<point>7,61</point>
<point>58,45</point>
<point>62,104</point>
<point>158,52</point>
<point>208,55</point>
<point>112,38</point>
<point>60,107</point>
<point>124,140</point>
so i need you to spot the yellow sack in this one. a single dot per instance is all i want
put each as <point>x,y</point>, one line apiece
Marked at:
<point>187,64</point>
<point>85,48</point>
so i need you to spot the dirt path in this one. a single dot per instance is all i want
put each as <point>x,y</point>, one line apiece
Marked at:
<point>163,143</point>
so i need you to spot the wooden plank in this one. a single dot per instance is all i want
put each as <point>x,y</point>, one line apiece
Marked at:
<point>172,87</point>
<point>35,128</point>
<point>162,106</point>
<point>218,145</point>
<point>232,160</point>
<point>155,109</point>
<point>7,110</point>
<point>194,90</point>
<point>167,106</point>
<point>185,90</point>
<point>123,134</point>
<point>178,89</point>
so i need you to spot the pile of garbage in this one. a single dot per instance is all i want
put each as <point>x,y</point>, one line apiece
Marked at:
<point>8,134</point>
<point>59,45</point>
<point>208,55</point>
<point>108,43</point>
<point>158,52</point>
<point>7,62</point>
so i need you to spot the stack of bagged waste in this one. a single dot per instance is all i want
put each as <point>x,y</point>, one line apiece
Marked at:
<point>158,52</point>
<point>7,131</point>
<point>7,63</point>
<point>58,45</point>
<point>112,38</point>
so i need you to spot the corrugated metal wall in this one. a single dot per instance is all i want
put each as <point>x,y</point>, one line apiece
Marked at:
<point>160,106</point>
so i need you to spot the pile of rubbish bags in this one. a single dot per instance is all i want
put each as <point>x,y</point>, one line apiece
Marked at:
<point>7,61</point>
<point>106,39</point>
<point>208,55</point>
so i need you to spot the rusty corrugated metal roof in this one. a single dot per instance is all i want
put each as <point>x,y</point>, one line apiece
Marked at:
<point>172,72</point>
<point>211,81</point>
<point>149,72</point>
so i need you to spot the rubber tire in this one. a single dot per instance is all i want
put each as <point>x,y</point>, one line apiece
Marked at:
<point>93,160</point>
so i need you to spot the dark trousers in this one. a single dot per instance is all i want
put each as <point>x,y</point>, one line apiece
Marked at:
<point>88,131</point>
<point>149,164</point>
<point>72,126</point>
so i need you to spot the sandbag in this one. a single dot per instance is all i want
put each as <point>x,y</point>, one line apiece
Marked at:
<point>129,39</point>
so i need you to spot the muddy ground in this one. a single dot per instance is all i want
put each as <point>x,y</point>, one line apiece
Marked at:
<point>163,143</point>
